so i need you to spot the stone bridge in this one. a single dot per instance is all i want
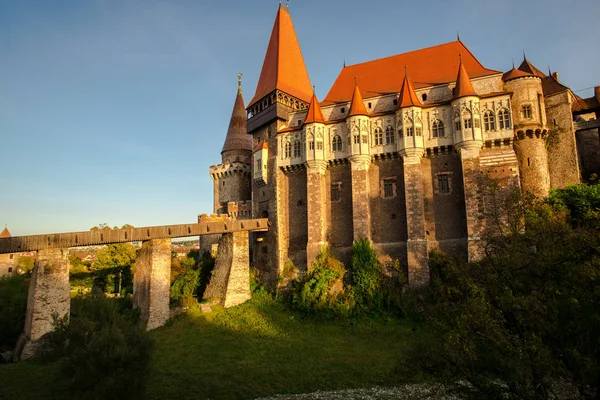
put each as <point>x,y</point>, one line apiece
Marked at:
<point>49,289</point>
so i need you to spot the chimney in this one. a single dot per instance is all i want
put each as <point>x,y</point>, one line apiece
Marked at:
<point>555,75</point>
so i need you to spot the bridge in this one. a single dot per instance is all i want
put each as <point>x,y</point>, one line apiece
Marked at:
<point>49,289</point>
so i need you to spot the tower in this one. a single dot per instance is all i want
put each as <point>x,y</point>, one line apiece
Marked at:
<point>231,178</point>
<point>529,124</point>
<point>283,88</point>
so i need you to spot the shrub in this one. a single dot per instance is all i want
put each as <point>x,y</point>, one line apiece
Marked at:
<point>13,306</point>
<point>103,354</point>
<point>366,275</point>
<point>186,283</point>
<point>323,287</point>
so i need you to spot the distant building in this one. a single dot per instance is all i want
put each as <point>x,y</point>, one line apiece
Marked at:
<point>9,263</point>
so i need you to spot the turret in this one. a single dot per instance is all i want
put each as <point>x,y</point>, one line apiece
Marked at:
<point>529,124</point>
<point>410,124</point>
<point>465,111</point>
<point>358,126</point>
<point>238,144</point>
<point>314,130</point>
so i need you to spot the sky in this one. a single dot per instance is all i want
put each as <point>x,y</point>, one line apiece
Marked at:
<point>112,111</point>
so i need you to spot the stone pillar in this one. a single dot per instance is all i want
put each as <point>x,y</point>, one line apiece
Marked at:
<point>230,282</point>
<point>361,213</point>
<point>152,282</point>
<point>474,199</point>
<point>49,297</point>
<point>316,198</point>
<point>416,245</point>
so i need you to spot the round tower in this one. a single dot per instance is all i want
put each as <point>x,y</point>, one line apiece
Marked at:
<point>232,177</point>
<point>465,113</point>
<point>529,124</point>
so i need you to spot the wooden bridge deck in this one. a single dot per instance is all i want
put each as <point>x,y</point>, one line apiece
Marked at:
<point>17,244</point>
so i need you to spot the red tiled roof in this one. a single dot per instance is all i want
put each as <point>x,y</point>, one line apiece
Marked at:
<point>430,66</point>
<point>5,233</point>
<point>550,85</point>
<point>283,67</point>
<point>515,73</point>
<point>407,96</point>
<point>314,111</point>
<point>526,66</point>
<point>237,137</point>
<point>463,83</point>
<point>357,107</point>
<point>585,105</point>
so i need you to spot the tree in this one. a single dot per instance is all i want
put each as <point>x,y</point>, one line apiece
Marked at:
<point>114,256</point>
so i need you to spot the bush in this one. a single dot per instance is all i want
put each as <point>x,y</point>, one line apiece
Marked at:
<point>13,306</point>
<point>322,290</point>
<point>103,353</point>
<point>366,276</point>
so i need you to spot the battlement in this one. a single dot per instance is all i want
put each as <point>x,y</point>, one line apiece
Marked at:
<point>239,209</point>
<point>225,169</point>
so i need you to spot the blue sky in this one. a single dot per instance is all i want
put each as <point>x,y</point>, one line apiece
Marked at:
<point>112,111</point>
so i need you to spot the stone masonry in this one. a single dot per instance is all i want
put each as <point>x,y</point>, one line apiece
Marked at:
<point>151,282</point>
<point>230,283</point>
<point>48,298</point>
<point>316,195</point>
<point>361,215</point>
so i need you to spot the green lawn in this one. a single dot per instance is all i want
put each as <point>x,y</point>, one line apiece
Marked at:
<point>256,349</point>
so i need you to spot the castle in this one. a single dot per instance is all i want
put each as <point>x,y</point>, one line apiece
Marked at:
<point>394,153</point>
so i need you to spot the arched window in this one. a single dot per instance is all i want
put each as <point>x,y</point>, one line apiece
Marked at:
<point>378,133</point>
<point>389,135</point>
<point>297,149</point>
<point>288,150</point>
<point>437,128</point>
<point>504,119</point>
<point>489,122</point>
<point>336,143</point>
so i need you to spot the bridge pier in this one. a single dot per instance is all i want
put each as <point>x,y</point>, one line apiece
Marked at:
<point>151,282</point>
<point>230,282</point>
<point>49,296</point>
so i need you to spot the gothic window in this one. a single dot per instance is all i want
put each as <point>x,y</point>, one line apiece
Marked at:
<point>438,128</point>
<point>526,111</point>
<point>504,119</point>
<point>388,188</point>
<point>356,139</point>
<point>378,136</point>
<point>319,145</point>
<point>418,131</point>
<point>409,131</point>
<point>489,122</point>
<point>389,135</point>
<point>336,143</point>
<point>297,149</point>
<point>443,183</point>
<point>288,150</point>
<point>468,123</point>
<point>335,191</point>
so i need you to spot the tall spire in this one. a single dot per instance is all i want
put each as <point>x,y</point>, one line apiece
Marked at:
<point>283,67</point>
<point>237,137</point>
<point>463,83</point>
<point>407,96</point>
<point>314,111</point>
<point>357,107</point>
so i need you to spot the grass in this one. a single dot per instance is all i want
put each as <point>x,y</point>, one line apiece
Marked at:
<point>257,349</point>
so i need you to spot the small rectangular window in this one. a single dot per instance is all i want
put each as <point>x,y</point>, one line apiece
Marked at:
<point>365,139</point>
<point>356,139</point>
<point>457,126</point>
<point>418,131</point>
<point>527,111</point>
<point>388,188</point>
<point>9,270</point>
<point>409,131</point>
<point>335,191</point>
<point>311,145</point>
<point>468,123</point>
<point>443,183</point>
<point>342,110</point>
<point>12,255</point>
<point>319,145</point>
<point>299,122</point>
<point>476,123</point>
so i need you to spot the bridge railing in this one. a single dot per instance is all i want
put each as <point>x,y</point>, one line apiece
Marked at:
<point>17,244</point>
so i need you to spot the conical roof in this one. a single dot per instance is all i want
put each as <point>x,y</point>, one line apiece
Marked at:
<point>407,96</point>
<point>463,83</point>
<point>314,111</point>
<point>526,66</point>
<point>357,107</point>
<point>514,74</point>
<point>5,233</point>
<point>237,136</point>
<point>283,67</point>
